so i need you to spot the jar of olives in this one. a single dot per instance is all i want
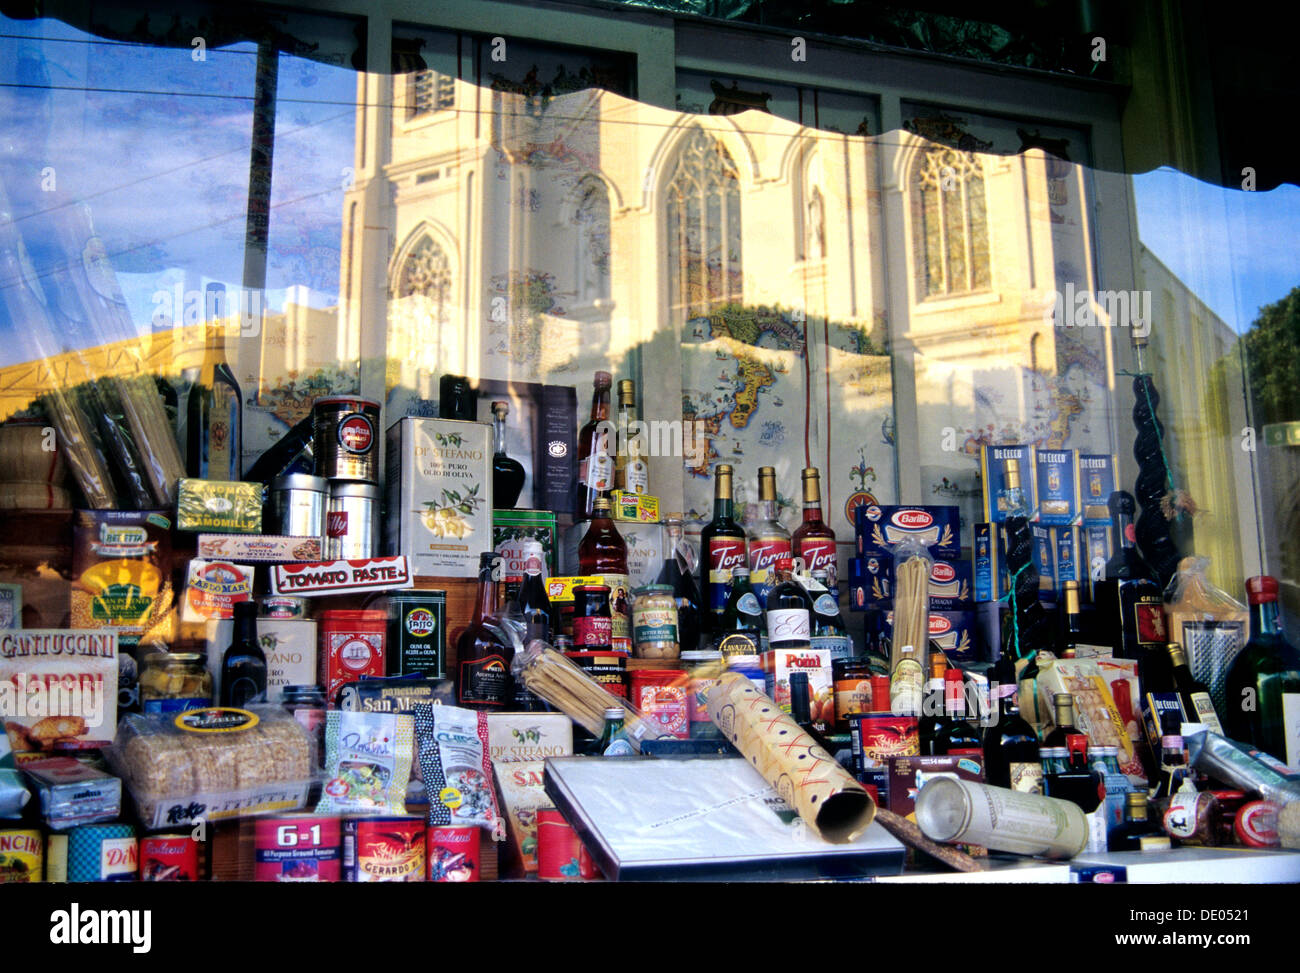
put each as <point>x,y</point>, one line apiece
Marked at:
<point>173,682</point>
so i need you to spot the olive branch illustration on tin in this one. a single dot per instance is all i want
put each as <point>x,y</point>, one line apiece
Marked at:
<point>447,518</point>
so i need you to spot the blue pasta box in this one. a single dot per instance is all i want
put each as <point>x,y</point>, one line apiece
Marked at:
<point>954,632</point>
<point>950,583</point>
<point>1044,557</point>
<point>993,476</point>
<point>1097,552</point>
<point>1056,476</point>
<point>1066,542</point>
<point>880,527</point>
<point>989,559</point>
<point>1096,484</point>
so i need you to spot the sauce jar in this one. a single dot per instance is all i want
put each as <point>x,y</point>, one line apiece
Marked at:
<point>173,682</point>
<point>853,692</point>
<point>654,623</point>
<point>592,624</point>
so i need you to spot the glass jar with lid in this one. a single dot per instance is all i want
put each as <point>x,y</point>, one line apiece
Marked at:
<point>173,682</point>
<point>654,623</point>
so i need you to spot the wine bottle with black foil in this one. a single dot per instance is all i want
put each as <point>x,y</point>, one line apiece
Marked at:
<point>1262,689</point>
<point>595,462</point>
<point>1130,607</point>
<point>1194,695</point>
<point>801,711</point>
<point>532,609</point>
<point>677,575</point>
<point>789,610</point>
<point>214,414</point>
<point>1011,748</point>
<point>813,540</point>
<point>768,538</point>
<point>958,737</point>
<point>722,547</point>
<point>484,651</point>
<point>243,664</point>
<point>507,473</point>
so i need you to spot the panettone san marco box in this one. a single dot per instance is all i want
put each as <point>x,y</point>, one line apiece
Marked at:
<point>439,494</point>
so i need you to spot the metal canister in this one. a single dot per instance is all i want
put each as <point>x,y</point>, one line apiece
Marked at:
<point>21,856</point>
<point>561,855</point>
<point>345,438</point>
<point>384,849</point>
<point>282,606</point>
<point>297,848</point>
<point>169,858</point>
<point>56,857</point>
<point>103,853</point>
<point>296,507</point>
<point>352,523</point>
<point>453,854</point>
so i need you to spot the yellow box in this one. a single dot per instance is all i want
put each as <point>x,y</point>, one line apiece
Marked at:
<point>636,507</point>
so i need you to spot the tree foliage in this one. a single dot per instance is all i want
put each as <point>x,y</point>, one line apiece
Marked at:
<point>1272,348</point>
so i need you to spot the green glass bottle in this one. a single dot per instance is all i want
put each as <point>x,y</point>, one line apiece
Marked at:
<point>1262,705</point>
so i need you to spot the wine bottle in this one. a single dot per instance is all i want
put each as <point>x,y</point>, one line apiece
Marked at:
<point>1011,748</point>
<point>595,465</point>
<point>740,632</point>
<point>243,664</point>
<point>603,551</point>
<point>1130,607</point>
<point>722,547</point>
<point>484,651</point>
<point>958,737</point>
<point>1137,832</point>
<point>1263,685</point>
<point>214,419</point>
<point>828,629</point>
<point>768,538</point>
<point>678,576</point>
<point>1063,707</point>
<point>1195,697</point>
<point>789,610</point>
<point>631,473</point>
<point>507,473</point>
<point>532,609</point>
<point>813,540</point>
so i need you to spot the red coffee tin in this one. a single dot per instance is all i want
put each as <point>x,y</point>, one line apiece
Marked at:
<point>384,849</point>
<point>561,856</point>
<point>351,646</point>
<point>169,858</point>
<point>297,848</point>
<point>453,854</point>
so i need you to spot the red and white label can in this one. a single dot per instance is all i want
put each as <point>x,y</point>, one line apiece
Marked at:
<point>169,858</point>
<point>453,854</point>
<point>561,855</point>
<point>297,848</point>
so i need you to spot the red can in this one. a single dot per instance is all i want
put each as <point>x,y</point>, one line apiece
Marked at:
<point>561,856</point>
<point>453,854</point>
<point>879,694</point>
<point>384,849</point>
<point>296,848</point>
<point>169,858</point>
<point>351,646</point>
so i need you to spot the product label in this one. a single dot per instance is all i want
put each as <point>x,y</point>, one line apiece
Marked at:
<point>787,625</point>
<point>819,553</point>
<point>174,705</point>
<point>654,625</point>
<point>355,433</point>
<point>1291,727</point>
<point>905,688</point>
<point>1205,713</point>
<point>595,631</point>
<point>1027,777</point>
<point>735,645</point>
<point>838,646</point>
<point>636,477</point>
<point>597,470</point>
<point>826,605</point>
<point>667,706</point>
<point>748,605</point>
<point>725,553</point>
<point>1154,843</point>
<point>483,681</point>
<point>1180,818</point>
<point>852,696</point>
<point>763,553</point>
<point>118,859</point>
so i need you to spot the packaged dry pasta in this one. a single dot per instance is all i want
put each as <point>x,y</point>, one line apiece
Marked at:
<point>367,763</point>
<point>911,625</point>
<point>455,766</point>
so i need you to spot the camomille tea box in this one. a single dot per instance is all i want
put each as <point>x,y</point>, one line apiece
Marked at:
<point>439,494</point>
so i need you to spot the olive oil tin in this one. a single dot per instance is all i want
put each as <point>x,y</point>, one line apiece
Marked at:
<point>417,633</point>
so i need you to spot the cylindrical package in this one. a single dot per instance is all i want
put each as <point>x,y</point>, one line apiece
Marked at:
<point>1239,764</point>
<point>949,809</point>
<point>831,803</point>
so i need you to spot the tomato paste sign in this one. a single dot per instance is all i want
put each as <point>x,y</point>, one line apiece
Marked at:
<point>340,577</point>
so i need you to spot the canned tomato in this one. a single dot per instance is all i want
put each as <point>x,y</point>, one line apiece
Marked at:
<point>352,523</point>
<point>345,438</point>
<point>297,505</point>
<point>383,849</point>
<point>21,856</point>
<point>297,848</point>
<point>453,854</point>
<point>169,858</point>
<point>561,856</point>
<point>103,853</point>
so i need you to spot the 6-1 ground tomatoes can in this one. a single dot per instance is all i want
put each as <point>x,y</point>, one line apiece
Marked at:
<point>384,849</point>
<point>169,858</point>
<point>345,438</point>
<point>297,848</point>
<point>453,854</point>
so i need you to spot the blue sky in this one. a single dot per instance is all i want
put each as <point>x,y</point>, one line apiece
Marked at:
<point>1236,250</point>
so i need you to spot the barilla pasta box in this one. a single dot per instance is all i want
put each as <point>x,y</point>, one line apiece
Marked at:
<point>1096,484</point>
<point>954,632</point>
<point>950,584</point>
<point>1056,476</point>
<point>993,476</point>
<point>881,527</point>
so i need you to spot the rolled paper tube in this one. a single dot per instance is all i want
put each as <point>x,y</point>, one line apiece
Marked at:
<point>834,805</point>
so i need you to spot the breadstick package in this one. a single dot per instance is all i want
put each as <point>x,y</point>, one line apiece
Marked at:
<point>911,624</point>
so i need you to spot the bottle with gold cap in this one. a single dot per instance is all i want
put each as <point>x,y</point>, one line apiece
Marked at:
<point>813,540</point>
<point>1192,693</point>
<point>631,473</point>
<point>722,547</point>
<point>768,538</point>
<point>1138,832</point>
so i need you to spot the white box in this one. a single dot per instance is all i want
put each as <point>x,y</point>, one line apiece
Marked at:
<point>439,494</point>
<point>1197,865</point>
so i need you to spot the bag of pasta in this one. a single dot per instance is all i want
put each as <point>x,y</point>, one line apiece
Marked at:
<point>455,766</point>
<point>367,763</point>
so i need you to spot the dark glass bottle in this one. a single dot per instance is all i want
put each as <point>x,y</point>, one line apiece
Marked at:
<point>1263,686</point>
<point>507,473</point>
<point>1173,767</point>
<point>456,399</point>
<point>768,539</point>
<point>613,740</point>
<point>801,710</point>
<point>595,463</point>
<point>828,629</point>
<point>243,665</point>
<point>1063,706</point>
<point>484,651</point>
<point>722,547</point>
<point>933,720</point>
<point>603,551</point>
<point>1130,607</point>
<point>1195,697</point>
<point>679,577</point>
<point>789,610</point>
<point>958,737</point>
<point>740,632</point>
<point>1138,832</point>
<point>1011,748</point>
<point>813,540</point>
<point>532,603</point>
<point>214,414</point>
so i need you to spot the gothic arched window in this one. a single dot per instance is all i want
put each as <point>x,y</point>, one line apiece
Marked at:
<point>426,272</point>
<point>703,207</point>
<point>952,236</point>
